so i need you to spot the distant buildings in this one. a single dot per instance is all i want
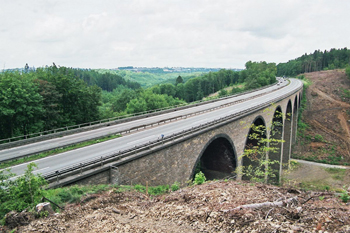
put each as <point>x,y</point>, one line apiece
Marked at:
<point>172,69</point>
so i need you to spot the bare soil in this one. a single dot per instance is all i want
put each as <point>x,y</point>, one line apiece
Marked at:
<point>327,114</point>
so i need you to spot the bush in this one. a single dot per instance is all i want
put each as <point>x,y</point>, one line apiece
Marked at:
<point>199,178</point>
<point>21,193</point>
<point>175,186</point>
<point>140,188</point>
<point>347,71</point>
<point>318,138</point>
<point>158,190</point>
<point>222,93</point>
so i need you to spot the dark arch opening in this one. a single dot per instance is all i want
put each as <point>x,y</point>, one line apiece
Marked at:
<point>254,144</point>
<point>287,135</point>
<point>275,145</point>
<point>218,159</point>
<point>295,119</point>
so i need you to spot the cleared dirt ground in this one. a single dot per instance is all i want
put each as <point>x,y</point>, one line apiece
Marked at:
<point>209,207</point>
<point>327,114</point>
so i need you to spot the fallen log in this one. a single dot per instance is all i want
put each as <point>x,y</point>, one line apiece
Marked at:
<point>265,204</point>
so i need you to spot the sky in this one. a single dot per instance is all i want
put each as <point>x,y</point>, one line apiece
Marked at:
<point>167,33</point>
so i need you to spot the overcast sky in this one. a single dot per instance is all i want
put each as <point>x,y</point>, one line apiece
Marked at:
<point>159,33</point>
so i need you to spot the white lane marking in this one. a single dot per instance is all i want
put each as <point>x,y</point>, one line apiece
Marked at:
<point>36,171</point>
<point>142,139</point>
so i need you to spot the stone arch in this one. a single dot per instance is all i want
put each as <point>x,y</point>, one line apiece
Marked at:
<point>256,132</point>
<point>295,119</point>
<point>275,144</point>
<point>287,130</point>
<point>218,158</point>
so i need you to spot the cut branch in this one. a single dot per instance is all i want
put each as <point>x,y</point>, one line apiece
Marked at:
<point>265,204</point>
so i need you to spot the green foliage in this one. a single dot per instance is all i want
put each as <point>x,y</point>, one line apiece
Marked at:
<point>337,173</point>
<point>179,80</point>
<point>43,99</point>
<point>319,138</point>
<point>260,74</point>
<point>158,190</point>
<point>236,90</point>
<point>146,79</point>
<point>344,196</point>
<point>347,71</point>
<point>199,178</point>
<point>72,194</point>
<point>21,193</point>
<point>154,191</point>
<point>327,60</point>
<point>175,186</point>
<point>223,92</point>
<point>256,165</point>
<point>20,105</point>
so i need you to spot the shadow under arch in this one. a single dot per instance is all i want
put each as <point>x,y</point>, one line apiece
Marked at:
<point>275,145</point>
<point>254,144</point>
<point>295,119</point>
<point>218,158</point>
<point>287,131</point>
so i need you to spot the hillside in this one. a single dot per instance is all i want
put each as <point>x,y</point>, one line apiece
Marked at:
<point>326,135</point>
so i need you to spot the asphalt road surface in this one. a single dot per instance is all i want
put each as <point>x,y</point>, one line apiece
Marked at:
<point>50,144</point>
<point>59,161</point>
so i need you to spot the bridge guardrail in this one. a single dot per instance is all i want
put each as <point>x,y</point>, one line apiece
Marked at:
<point>117,155</point>
<point>100,123</point>
<point>142,126</point>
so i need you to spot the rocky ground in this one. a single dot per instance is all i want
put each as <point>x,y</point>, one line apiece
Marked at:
<point>216,206</point>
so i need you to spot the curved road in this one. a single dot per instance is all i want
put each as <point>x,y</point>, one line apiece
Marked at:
<point>77,156</point>
<point>34,148</point>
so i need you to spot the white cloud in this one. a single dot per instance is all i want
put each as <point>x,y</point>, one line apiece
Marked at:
<point>211,33</point>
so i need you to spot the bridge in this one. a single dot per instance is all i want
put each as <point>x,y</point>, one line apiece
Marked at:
<point>167,148</point>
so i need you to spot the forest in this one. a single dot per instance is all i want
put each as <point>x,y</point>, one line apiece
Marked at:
<point>327,60</point>
<point>35,100</point>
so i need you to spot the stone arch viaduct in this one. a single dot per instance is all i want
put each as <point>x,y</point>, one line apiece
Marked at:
<point>219,150</point>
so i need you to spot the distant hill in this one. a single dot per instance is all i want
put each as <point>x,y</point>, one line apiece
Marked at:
<point>146,79</point>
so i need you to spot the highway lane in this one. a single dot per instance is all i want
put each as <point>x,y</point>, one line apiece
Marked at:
<point>38,147</point>
<point>59,161</point>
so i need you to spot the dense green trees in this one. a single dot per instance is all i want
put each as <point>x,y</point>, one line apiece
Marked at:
<point>256,74</point>
<point>106,80</point>
<point>52,97</point>
<point>333,59</point>
<point>347,71</point>
<point>47,98</point>
<point>20,105</point>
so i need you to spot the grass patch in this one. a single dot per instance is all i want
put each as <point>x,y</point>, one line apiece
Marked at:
<point>315,186</point>
<point>75,193</point>
<point>337,173</point>
<point>56,151</point>
<point>72,194</point>
<point>334,160</point>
